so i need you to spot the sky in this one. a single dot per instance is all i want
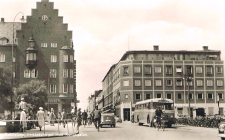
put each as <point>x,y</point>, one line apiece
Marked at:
<point>103,30</point>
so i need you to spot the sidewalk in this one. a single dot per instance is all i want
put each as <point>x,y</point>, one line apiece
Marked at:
<point>48,131</point>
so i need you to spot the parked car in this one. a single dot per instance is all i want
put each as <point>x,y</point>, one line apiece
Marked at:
<point>108,119</point>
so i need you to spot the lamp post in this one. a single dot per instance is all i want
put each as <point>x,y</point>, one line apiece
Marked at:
<point>12,76</point>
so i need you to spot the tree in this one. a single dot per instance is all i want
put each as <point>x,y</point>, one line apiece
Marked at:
<point>34,93</point>
<point>5,89</point>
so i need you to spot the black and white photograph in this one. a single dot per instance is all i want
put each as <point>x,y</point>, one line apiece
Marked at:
<point>112,69</point>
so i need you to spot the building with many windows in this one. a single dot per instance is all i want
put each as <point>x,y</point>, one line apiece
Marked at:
<point>194,77</point>
<point>42,50</point>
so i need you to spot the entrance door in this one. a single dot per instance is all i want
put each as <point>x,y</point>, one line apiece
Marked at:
<point>126,114</point>
<point>200,112</point>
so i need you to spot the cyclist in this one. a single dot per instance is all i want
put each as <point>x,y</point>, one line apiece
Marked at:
<point>97,117</point>
<point>158,114</point>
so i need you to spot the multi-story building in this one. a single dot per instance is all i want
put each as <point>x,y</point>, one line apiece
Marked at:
<point>141,75</point>
<point>42,50</point>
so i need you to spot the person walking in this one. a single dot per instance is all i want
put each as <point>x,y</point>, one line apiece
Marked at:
<point>97,117</point>
<point>23,119</point>
<point>84,117</point>
<point>23,105</point>
<point>41,117</point>
<point>63,115</point>
<point>79,119</point>
<point>52,117</point>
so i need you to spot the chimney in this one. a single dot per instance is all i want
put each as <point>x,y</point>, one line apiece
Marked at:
<point>156,47</point>
<point>2,20</point>
<point>205,48</point>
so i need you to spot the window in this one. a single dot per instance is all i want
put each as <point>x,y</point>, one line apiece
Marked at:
<point>209,83</point>
<point>71,58</point>
<point>65,88</point>
<point>54,45</point>
<point>199,82</point>
<point>30,73</point>
<point>52,73</point>
<point>158,69</point>
<point>126,96</point>
<point>179,96</point>
<point>169,70</point>
<point>179,82</point>
<point>219,83</point>
<point>71,88</point>
<point>26,73</point>
<point>209,96</point>
<point>220,96</point>
<point>169,96</point>
<point>126,72</point>
<point>199,96</point>
<point>158,95</point>
<point>158,82</point>
<point>190,96</point>
<point>53,58</point>
<point>198,70</point>
<point>147,96</point>
<point>52,88</point>
<point>169,82</point>
<point>189,70</point>
<point>44,45</point>
<point>2,57</point>
<point>148,69</point>
<point>138,97</point>
<point>178,69</point>
<point>219,69</point>
<point>137,69</point>
<point>125,83</point>
<point>71,73</point>
<point>34,73</point>
<point>65,73</point>
<point>209,70</point>
<point>137,82</point>
<point>180,110</point>
<point>148,83</point>
<point>65,58</point>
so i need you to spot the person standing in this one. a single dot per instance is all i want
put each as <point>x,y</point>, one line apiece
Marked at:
<point>59,118</point>
<point>23,105</point>
<point>79,119</point>
<point>84,117</point>
<point>23,118</point>
<point>63,115</point>
<point>41,117</point>
<point>52,117</point>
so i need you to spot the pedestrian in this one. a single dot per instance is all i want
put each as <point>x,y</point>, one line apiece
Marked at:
<point>59,118</point>
<point>84,117</point>
<point>89,118</point>
<point>63,115</point>
<point>41,117</point>
<point>79,119</point>
<point>23,105</point>
<point>97,117</point>
<point>52,117</point>
<point>23,120</point>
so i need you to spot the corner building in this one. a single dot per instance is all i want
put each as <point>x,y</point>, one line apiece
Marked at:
<point>141,75</point>
<point>44,51</point>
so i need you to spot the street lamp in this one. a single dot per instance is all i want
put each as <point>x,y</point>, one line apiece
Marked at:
<point>12,76</point>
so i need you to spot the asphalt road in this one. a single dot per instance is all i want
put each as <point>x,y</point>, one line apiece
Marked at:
<point>131,131</point>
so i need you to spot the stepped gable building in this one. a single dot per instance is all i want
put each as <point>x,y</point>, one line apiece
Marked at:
<point>43,50</point>
<point>141,75</point>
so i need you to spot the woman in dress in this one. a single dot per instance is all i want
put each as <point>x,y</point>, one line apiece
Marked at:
<point>52,117</point>
<point>41,117</point>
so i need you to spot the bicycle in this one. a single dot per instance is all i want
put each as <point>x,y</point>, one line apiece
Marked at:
<point>161,123</point>
<point>97,123</point>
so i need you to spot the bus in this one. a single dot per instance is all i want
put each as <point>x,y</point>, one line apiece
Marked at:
<point>145,111</point>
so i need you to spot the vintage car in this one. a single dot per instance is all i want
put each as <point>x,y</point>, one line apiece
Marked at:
<point>221,130</point>
<point>108,119</point>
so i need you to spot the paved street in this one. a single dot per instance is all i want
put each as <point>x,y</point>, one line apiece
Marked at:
<point>125,130</point>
